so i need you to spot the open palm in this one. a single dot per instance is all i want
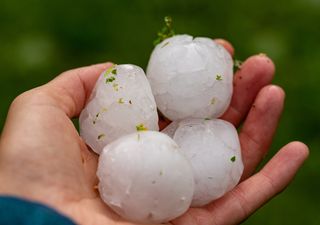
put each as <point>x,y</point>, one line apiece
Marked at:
<point>43,158</point>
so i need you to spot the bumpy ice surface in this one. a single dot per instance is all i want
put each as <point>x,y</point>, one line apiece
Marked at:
<point>121,101</point>
<point>190,77</point>
<point>213,148</point>
<point>144,177</point>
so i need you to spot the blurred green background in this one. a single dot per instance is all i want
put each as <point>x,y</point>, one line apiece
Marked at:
<point>40,39</point>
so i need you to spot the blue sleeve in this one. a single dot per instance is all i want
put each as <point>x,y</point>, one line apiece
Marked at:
<point>18,211</point>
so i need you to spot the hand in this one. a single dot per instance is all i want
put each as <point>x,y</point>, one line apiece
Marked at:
<point>43,158</point>
<point>257,106</point>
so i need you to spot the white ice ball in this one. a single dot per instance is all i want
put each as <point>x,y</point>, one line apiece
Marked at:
<point>213,148</point>
<point>190,77</point>
<point>121,101</point>
<point>145,177</point>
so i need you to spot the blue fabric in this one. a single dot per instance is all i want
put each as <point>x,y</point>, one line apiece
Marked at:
<point>16,211</point>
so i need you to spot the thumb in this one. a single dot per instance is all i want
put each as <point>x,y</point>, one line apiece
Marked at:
<point>70,90</point>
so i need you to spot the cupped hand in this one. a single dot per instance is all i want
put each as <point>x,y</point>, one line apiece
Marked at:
<point>43,158</point>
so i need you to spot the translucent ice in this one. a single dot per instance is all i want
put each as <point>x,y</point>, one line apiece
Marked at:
<point>213,148</point>
<point>145,177</point>
<point>190,77</point>
<point>121,101</point>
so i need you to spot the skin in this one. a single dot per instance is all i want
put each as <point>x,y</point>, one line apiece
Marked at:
<point>42,157</point>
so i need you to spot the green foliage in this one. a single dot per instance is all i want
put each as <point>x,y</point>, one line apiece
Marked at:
<point>100,136</point>
<point>218,77</point>
<point>166,32</point>
<point>110,79</point>
<point>141,127</point>
<point>237,64</point>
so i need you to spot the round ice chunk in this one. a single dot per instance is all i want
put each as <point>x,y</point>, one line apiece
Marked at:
<point>213,148</point>
<point>145,177</point>
<point>190,77</point>
<point>121,101</point>
<point>171,128</point>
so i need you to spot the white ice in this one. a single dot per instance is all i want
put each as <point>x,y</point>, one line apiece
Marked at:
<point>190,77</point>
<point>213,148</point>
<point>121,100</point>
<point>145,177</point>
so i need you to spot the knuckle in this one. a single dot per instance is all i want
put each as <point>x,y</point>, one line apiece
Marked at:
<point>28,97</point>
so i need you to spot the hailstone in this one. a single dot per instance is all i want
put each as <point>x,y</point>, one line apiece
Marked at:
<point>145,177</point>
<point>213,148</point>
<point>120,102</point>
<point>190,77</point>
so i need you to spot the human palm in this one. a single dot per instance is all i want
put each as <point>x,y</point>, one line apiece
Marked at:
<point>43,158</point>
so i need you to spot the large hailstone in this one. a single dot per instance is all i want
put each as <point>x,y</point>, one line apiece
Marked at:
<point>120,103</point>
<point>145,177</point>
<point>213,148</point>
<point>190,77</point>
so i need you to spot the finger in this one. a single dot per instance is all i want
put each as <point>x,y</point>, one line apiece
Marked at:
<point>259,127</point>
<point>255,73</point>
<point>72,88</point>
<point>227,45</point>
<point>37,119</point>
<point>67,94</point>
<point>163,121</point>
<point>252,193</point>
